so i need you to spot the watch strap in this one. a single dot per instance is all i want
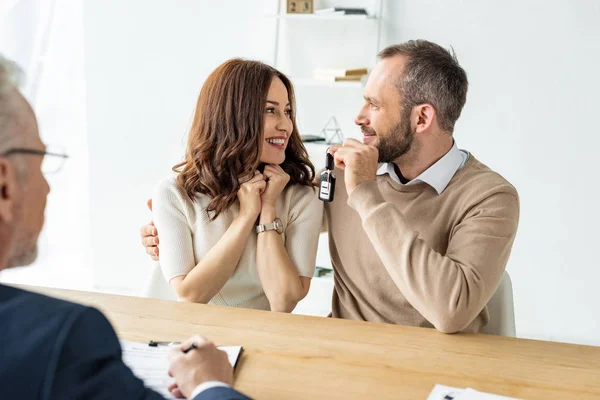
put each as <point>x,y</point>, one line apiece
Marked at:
<point>265,227</point>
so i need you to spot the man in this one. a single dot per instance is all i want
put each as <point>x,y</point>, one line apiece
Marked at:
<point>53,349</point>
<point>420,232</point>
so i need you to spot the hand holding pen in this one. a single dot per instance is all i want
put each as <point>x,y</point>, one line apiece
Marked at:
<point>190,368</point>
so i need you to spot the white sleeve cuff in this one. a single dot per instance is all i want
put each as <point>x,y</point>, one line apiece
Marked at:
<point>207,385</point>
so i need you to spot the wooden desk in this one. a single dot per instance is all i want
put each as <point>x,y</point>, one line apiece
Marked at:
<point>299,357</point>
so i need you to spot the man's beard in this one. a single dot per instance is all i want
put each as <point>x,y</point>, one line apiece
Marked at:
<point>395,143</point>
<point>23,254</point>
<point>24,257</point>
<point>25,249</point>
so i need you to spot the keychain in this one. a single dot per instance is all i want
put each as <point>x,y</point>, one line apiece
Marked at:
<point>327,181</point>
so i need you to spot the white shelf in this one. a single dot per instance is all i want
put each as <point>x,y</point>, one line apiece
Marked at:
<point>316,17</point>
<point>318,146</point>
<point>319,83</point>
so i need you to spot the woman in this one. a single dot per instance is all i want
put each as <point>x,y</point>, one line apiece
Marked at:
<point>245,167</point>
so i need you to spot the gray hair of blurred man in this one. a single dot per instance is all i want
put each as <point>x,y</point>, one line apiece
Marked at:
<point>12,110</point>
<point>11,78</point>
<point>10,74</point>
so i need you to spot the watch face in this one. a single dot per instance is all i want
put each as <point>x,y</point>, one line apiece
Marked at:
<point>278,225</point>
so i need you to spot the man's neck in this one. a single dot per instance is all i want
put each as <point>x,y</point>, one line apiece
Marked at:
<point>3,263</point>
<point>421,157</point>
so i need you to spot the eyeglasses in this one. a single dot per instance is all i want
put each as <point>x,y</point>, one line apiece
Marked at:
<point>54,158</point>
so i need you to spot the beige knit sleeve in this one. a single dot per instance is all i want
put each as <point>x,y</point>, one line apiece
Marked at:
<point>169,210</point>
<point>448,290</point>
<point>303,229</point>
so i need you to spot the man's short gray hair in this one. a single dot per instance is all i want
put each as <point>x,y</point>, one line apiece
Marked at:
<point>432,75</point>
<point>11,77</point>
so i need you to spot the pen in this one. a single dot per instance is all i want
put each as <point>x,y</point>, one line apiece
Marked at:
<point>152,343</point>
<point>193,346</point>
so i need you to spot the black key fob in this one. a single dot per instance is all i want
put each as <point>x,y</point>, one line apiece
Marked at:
<point>327,181</point>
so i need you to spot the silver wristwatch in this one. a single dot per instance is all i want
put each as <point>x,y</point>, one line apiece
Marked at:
<point>276,225</point>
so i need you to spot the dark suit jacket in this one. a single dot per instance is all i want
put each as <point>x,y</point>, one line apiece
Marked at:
<point>53,349</point>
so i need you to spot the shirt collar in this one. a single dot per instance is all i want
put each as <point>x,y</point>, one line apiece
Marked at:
<point>438,175</point>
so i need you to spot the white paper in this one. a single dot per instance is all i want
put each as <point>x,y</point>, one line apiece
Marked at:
<point>441,392</point>
<point>472,394</point>
<point>151,364</point>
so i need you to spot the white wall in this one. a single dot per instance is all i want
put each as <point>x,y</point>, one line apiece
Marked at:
<point>19,30</point>
<point>531,115</point>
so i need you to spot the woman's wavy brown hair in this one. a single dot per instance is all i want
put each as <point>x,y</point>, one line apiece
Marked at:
<point>226,137</point>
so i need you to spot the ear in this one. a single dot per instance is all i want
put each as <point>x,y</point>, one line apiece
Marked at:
<point>8,190</point>
<point>425,115</point>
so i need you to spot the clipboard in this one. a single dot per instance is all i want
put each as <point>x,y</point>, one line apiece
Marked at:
<point>149,362</point>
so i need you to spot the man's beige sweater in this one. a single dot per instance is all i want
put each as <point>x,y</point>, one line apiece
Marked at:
<point>408,255</point>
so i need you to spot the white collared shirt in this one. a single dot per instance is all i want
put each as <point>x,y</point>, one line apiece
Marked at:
<point>438,175</point>
<point>207,385</point>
